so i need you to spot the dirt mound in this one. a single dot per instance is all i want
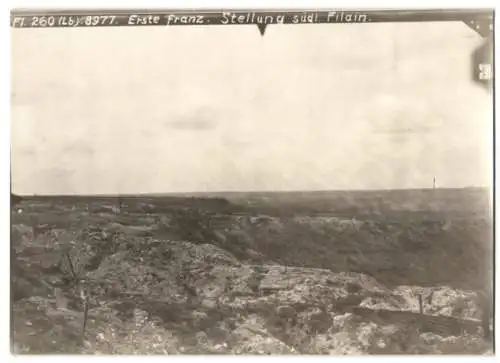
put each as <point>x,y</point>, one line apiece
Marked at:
<point>200,299</point>
<point>192,281</point>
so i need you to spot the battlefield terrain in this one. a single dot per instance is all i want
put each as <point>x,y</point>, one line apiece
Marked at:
<point>339,273</point>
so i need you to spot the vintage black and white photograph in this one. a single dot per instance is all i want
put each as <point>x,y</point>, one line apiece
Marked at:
<point>252,182</point>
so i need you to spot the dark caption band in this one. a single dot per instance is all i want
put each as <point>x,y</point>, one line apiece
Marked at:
<point>479,20</point>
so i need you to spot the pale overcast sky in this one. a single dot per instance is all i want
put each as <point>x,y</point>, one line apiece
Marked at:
<point>156,109</point>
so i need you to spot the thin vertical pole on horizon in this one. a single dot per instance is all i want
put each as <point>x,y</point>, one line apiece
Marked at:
<point>433,204</point>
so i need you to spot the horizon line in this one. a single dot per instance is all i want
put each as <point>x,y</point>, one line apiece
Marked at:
<point>240,192</point>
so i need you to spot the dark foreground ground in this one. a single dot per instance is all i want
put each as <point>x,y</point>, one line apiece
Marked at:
<point>379,272</point>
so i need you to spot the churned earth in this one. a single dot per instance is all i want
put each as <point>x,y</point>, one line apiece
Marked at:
<point>221,276</point>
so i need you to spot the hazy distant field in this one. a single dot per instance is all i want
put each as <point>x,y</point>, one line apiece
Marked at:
<point>422,239</point>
